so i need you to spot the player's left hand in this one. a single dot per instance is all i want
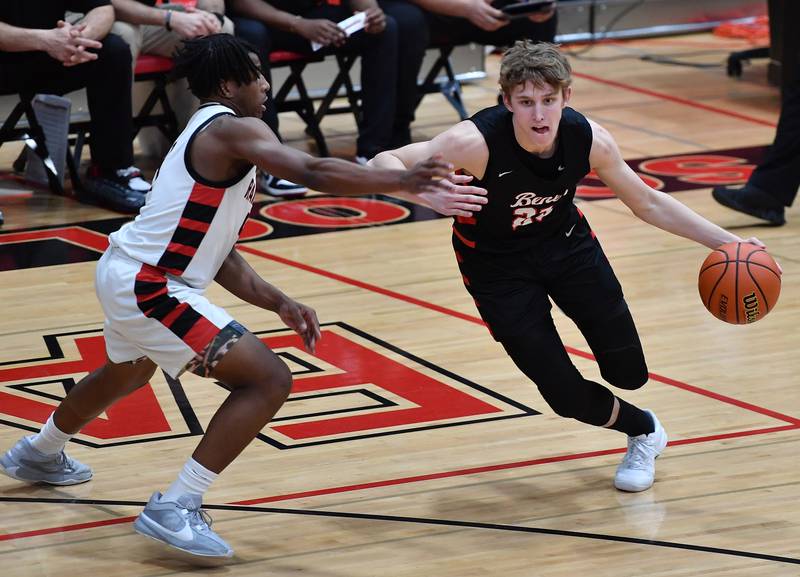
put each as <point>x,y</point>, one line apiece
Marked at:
<point>301,319</point>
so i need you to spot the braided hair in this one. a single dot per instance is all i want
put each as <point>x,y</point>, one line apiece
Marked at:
<point>210,60</point>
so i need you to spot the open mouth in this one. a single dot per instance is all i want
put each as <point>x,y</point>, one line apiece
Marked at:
<point>541,129</point>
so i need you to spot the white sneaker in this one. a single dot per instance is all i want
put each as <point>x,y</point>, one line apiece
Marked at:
<point>280,187</point>
<point>638,468</point>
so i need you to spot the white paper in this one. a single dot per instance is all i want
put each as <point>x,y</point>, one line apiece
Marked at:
<point>350,26</point>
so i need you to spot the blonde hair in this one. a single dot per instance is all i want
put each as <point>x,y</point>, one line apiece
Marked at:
<point>541,63</point>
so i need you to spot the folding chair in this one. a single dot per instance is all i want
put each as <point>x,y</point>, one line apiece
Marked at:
<point>155,69</point>
<point>450,88</point>
<point>34,137</point>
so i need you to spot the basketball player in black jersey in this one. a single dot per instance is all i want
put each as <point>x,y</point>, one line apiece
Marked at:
<point>530,242</point>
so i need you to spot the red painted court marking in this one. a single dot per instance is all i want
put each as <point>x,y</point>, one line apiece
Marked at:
<point>670,98</point>
<point>402,481</point>
<point>73,234</point>
<point>476,320</point>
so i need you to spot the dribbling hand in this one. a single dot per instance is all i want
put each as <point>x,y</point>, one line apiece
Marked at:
<point>301,319</point>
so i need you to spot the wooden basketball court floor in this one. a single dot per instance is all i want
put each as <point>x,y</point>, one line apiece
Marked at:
<point>411,444</point>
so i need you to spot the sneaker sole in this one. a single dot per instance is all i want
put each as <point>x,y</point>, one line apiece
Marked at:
<point>66,483</point>
<point>145,531</point>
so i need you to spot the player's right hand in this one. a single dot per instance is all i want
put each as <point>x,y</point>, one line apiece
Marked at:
<point>458,199</point>
<point>428,176</point>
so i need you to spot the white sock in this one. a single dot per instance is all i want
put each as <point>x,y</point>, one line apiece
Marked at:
<point>50,440</point>
<point>194,479</point>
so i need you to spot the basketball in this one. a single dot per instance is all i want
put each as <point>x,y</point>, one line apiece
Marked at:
<point>739,283</point>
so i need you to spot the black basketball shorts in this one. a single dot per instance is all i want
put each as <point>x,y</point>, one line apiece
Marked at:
<point>513,290</point>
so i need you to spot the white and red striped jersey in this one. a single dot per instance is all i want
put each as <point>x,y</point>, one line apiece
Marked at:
<point>188,225</point>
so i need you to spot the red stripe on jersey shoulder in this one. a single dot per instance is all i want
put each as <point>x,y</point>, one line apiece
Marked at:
<point>207,195</point>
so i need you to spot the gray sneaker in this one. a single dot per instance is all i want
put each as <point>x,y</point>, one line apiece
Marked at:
<point>182,525</point>
<point>24,463</point>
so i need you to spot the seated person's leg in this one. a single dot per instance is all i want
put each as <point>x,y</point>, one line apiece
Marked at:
<point>446,30</point>
<point>519,29</point>
<point>413,40</point>
<point>112,178</point>
<point>378,88</point>
<point>132,34</point>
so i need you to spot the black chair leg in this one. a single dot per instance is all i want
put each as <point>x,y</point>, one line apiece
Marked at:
<point>737,59</point>
<point>38,143</point>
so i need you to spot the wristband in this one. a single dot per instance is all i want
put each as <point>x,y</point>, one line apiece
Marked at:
<point>167,18</point>
<point>220,17</point>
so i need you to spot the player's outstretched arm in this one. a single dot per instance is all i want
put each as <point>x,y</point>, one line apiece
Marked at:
<point>464,147</point>
<point>650,205</point>
<point>238,277</point>
<point>251,140</point>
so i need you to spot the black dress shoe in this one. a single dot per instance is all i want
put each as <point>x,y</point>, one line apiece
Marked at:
<point>752,201</point>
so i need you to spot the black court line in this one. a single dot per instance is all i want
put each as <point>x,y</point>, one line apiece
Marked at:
<point>439,522</point>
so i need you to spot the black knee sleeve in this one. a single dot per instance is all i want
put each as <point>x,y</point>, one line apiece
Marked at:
<point>624,368</point>
<point>582,400</point>
<point>540,354</point>
<point>616,346</point>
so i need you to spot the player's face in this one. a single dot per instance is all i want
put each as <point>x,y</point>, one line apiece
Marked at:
<point>537,114</point>
<point>251,97</point>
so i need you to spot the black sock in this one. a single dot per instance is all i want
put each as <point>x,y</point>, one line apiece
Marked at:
<point>633,421</point>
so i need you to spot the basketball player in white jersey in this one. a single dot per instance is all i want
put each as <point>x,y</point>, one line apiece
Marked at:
<point>152,279</point>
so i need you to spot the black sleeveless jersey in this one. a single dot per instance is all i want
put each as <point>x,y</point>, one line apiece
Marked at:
<point>530,198</point>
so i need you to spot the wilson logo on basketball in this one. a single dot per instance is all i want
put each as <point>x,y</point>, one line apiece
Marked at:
<point>723,307</point>
<point>751,309</point>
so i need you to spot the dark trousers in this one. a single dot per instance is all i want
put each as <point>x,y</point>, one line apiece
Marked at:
<point>445,30</point>
<point>379,69</point>
<point>779,173</point>
<point>108,86</point>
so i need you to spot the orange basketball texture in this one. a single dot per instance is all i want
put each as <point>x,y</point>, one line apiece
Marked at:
<point>739,283</point>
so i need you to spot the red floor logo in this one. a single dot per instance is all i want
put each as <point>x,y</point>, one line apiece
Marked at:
<point>355,386</point>
<point>30,389</point>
